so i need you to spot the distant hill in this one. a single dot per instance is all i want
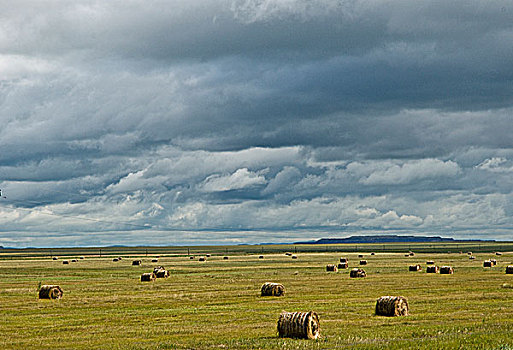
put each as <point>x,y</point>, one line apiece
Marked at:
<point>387,239</point>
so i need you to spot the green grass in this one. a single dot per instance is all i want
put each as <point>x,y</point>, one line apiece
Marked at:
<point>216,305</point>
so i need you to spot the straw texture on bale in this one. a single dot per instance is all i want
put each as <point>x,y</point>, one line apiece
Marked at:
<point>415,268</point>
<point>50,292</point>
<point>303,325</point>
<point>363,262</point>
<point>271,289</point>
<point>148,277</point>
<point>446,270</point>
<point>136,262</point>
<point>430,262</point>
<point>331,268</point>
<point>162,273</point>
<point>509,269</point>
<point>65,262</point>
<point>344,260</point>
<point>392,306</point>
<point>202,258</point>
<point>355,273</point>
<point>487,263</point>
<point>432,269</point>
<point>343,265</point>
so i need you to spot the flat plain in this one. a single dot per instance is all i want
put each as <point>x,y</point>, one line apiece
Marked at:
<point>216,304</point>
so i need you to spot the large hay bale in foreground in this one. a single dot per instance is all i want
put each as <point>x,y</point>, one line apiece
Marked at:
<point>136,263</point>
<point>392,306</point>
<point>343,265</point>
<point>162,273</point>
<point>148,277</point>
<point>446,270</point>
<point>50,292</point>
<point>271,289</point>
<point>344,260</point>
<point>509,269</point>
<point>432,269</point>
<point>303,325</point>
<point>363,262</point>
<point>487,263</point>
<point>415,267</point>
<point>356,273</point>
<point>331,268</point>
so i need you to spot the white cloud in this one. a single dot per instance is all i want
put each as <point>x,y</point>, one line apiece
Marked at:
<point>240,179</point>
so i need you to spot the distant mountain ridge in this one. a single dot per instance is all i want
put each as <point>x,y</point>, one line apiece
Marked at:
<point>389,239</point>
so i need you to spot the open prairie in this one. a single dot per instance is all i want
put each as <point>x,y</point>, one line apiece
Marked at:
<point>216,304</point>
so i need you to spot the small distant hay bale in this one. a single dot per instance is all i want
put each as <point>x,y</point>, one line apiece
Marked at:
<point>148,277</point>
<point>73,260</point>
<point>360,255</point>
<point>432,269</point>
<point>430,262</point>
<point>288,254</point>
<point>207,255</point>
<point>509,269</point>
<point>363,262</point>
<point>136,263</point>
<point>392,306</point>
<point>202,258</point>
<point>303,325</point>
<point>415,268</point>
<point>411,253</point>
<point>331,268</point>
<point>225,258</point>
<point>344,265</point>
<point>294,256</point>
<point>162,273</point>
<point>344,260</point>
<point>81,258</point>
<point>115,259</point>
<point>498,253</point>
<point>261,257</point>
<point>65,262</point>
<point>154,260</point>
<point>357,273</point>
<point>407,255</point>
<point>271,289</point>
<point>191,257</point>
<point>469,253</point>
<point>373,253</point>
<point>446,270</point>
<point>507,285</point>
<point>487,263</point>
<point>120,258</point>
<point>494,262</point>
<point>471,257</point>
<point>158,268</point>
<point>50,292</point>
<point>55,258</point>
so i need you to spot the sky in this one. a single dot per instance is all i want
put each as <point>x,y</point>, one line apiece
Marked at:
<point>194,122</point>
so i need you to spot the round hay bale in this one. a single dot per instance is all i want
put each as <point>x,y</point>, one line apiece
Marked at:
<point>288,254</point>
<point>261,257</point>
<point>115,259</point>
<point>430,262</point>
<point>498,253</point>
<point>191,257</point>
<point>407,255</point>
<point>509,269</point>
<point>411,253</point>
<point>487,263</point>
<point>446,270</point>
<point>304,325</point>
<point>372,253</point>
<point>158,268</point>
<point>148,277</point>
<point>120,258</point>
<point>415,268</point>
<point>294,257</point>
<point>73,260</point>
<point>65,262</point>
<point>432,269</point>
<point>344,260</point>
<point>55,258</point>
<point>494,262</point>
<point>360,255</point>
<point>50,292</point>
<point>363,262</point>
<point>343,265</point>
<point>81,258</point>
<point>357,273</point>
<point>469,253</point>
<point>471,257</point>
<point>154,260</point>
<point>202,258</point>
<point>392,306</point>
<point>331,268</point>
<point>162,273</point>
<point>136,263</point>
<point>272,289</point>
<point>207,255</point>
<point>225,258</point>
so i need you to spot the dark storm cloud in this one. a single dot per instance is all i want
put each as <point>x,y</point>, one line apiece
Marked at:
<point>254,115</point>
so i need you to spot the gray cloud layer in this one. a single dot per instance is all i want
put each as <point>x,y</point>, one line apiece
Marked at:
<point>239,118</point>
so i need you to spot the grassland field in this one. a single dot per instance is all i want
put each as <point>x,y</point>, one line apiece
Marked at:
<point>217,304</point>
